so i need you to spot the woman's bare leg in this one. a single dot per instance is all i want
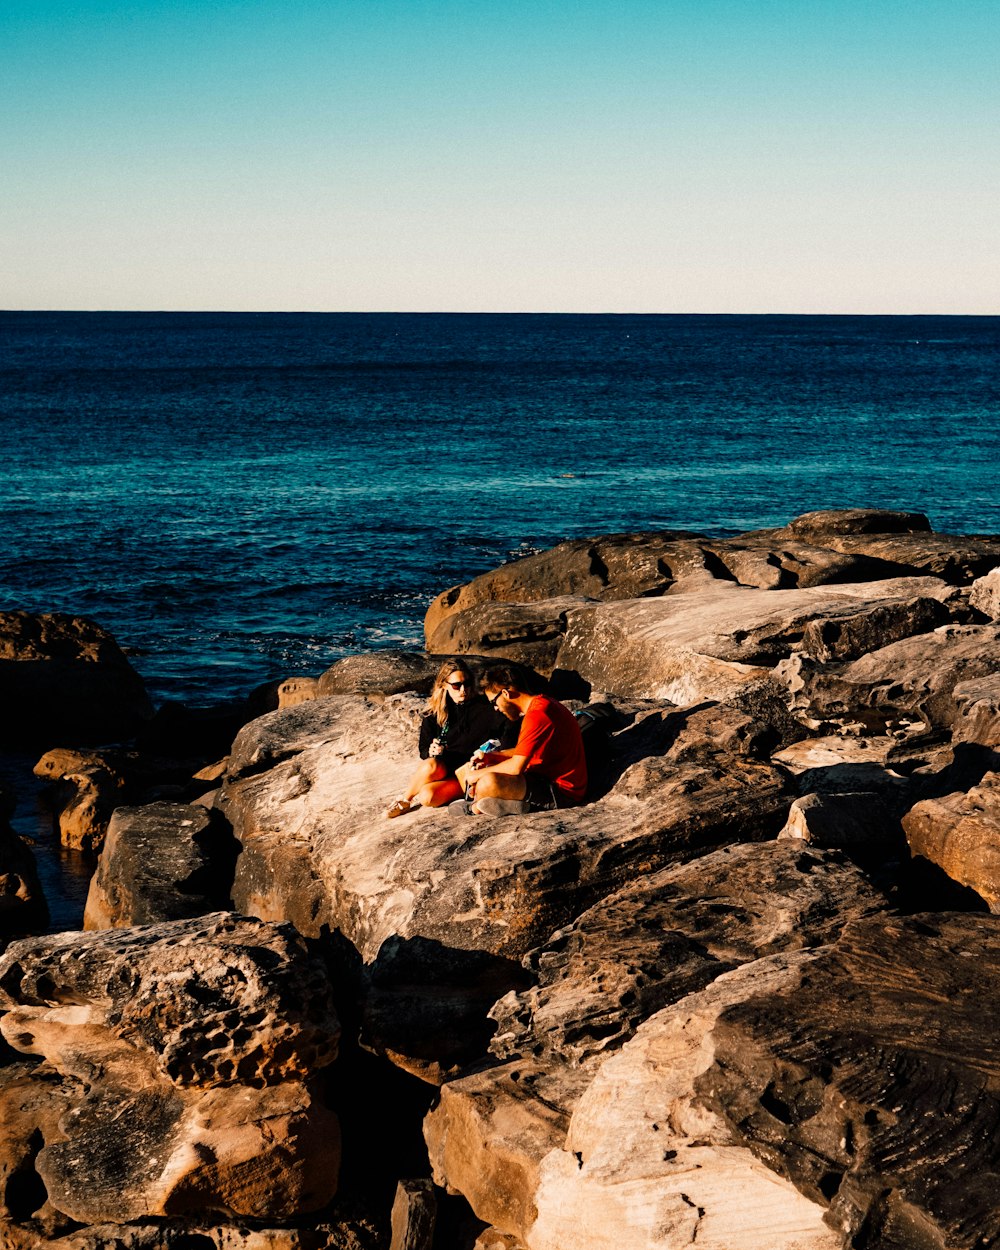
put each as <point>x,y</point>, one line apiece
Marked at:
<point>438,793</point>
<point>426,771</point>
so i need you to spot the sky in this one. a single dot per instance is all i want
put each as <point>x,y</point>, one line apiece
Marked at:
<point>712,156</point>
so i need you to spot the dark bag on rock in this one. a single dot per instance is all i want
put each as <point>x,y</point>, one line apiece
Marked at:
<point>597,722</point>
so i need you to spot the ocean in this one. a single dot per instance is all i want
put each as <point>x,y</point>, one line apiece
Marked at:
<point>240,497</point>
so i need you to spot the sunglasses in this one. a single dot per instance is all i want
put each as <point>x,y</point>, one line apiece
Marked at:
<point>493,702</point>
<point>459,685</point>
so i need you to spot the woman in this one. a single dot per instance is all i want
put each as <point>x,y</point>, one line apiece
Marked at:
<point>458,721</point>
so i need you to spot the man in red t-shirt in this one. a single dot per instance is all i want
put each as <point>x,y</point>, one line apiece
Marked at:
<point>546,767</point>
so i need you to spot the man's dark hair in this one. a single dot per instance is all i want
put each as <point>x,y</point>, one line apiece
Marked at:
<point>512,677</point>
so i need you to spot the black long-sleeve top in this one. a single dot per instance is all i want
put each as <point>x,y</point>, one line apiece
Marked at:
<point>468,726</point>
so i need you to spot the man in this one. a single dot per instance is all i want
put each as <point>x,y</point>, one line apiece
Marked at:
<point>546,767</point>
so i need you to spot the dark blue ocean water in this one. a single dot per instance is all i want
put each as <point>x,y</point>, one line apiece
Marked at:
<point>244,496</point>
<point>239,497</point>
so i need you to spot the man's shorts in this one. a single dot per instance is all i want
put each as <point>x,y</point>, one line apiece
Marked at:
<point>542,796</point>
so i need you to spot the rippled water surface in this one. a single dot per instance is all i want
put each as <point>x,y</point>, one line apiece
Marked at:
<point>244,496</point>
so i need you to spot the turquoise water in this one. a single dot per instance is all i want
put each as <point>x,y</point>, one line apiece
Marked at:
<point>239,497</point>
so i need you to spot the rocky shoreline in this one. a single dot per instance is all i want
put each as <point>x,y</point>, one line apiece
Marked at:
<point>742,998</point>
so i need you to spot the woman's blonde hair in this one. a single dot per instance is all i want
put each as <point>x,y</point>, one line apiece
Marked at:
<point>438,702</point>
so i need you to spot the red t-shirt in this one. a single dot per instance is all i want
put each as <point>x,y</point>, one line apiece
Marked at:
<point>550,738</point>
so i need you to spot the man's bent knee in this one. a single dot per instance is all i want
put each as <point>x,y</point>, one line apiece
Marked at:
<point>500,786</point>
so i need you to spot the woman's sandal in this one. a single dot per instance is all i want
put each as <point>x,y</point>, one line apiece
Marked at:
<point>399,808</point>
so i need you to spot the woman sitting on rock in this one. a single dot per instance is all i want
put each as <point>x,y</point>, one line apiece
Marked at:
<point>458,721</point>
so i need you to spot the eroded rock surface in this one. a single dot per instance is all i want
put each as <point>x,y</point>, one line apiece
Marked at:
<point>318,849</point>
<point>653,943</point>
<point>162,861</point>
<point>705,645</point>
<point>178,1064</point>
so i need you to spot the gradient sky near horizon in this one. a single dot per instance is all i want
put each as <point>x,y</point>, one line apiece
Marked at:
<point>531,155</point>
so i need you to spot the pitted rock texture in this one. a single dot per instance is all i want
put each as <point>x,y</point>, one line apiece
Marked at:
<point>65,680</point>
<point>215,1000</point>
<point>180,1062</point>
<point>162,861</point>
<point>913,679</point>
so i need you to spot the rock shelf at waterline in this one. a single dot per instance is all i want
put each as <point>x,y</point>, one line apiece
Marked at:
<point>743,997</point>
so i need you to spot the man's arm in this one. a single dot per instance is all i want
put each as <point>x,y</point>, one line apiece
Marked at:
<point>511,764</point>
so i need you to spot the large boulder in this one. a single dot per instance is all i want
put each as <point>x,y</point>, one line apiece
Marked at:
<point>650,944</point>
<point>64,679</point>
<point>832,522</point>
<point>380,672</point>
<point>706,645</point>
<point>961,834</point>
<point>671,934</point>
<point>307,793</point>
<point>984,594</point>
<point>162,861</point>
<point>913,679</point>
<point>187,1055</point>
<point>528,633</point>
<point>794,1103</point>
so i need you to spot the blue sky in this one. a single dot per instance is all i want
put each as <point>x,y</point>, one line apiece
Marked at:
<point>769,156</point>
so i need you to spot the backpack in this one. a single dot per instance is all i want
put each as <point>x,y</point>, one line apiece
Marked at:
<point>597,723</point>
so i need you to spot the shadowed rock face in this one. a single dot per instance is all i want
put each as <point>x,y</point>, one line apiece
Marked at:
<point>182,1058</point>
<point>653,943</point>
<point>163,861</point>
<point>671,934</point>
<point>64,679</point>
<point>873,1083</point>
<point>916,678</point>
<point>22,902</point>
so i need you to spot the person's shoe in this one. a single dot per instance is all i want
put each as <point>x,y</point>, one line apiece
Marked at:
<point>399,808</point>
<point>500,807</point>
<point>461,807</point>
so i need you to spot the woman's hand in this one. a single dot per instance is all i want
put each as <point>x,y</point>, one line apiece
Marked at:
<point>435,748</point>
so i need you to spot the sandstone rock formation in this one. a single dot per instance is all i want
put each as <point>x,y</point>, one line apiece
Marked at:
<point>65,680</point>
<point>307,793</point>
<point>961,834</point>
<point>177,1074</point>
<point>162,861</point>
